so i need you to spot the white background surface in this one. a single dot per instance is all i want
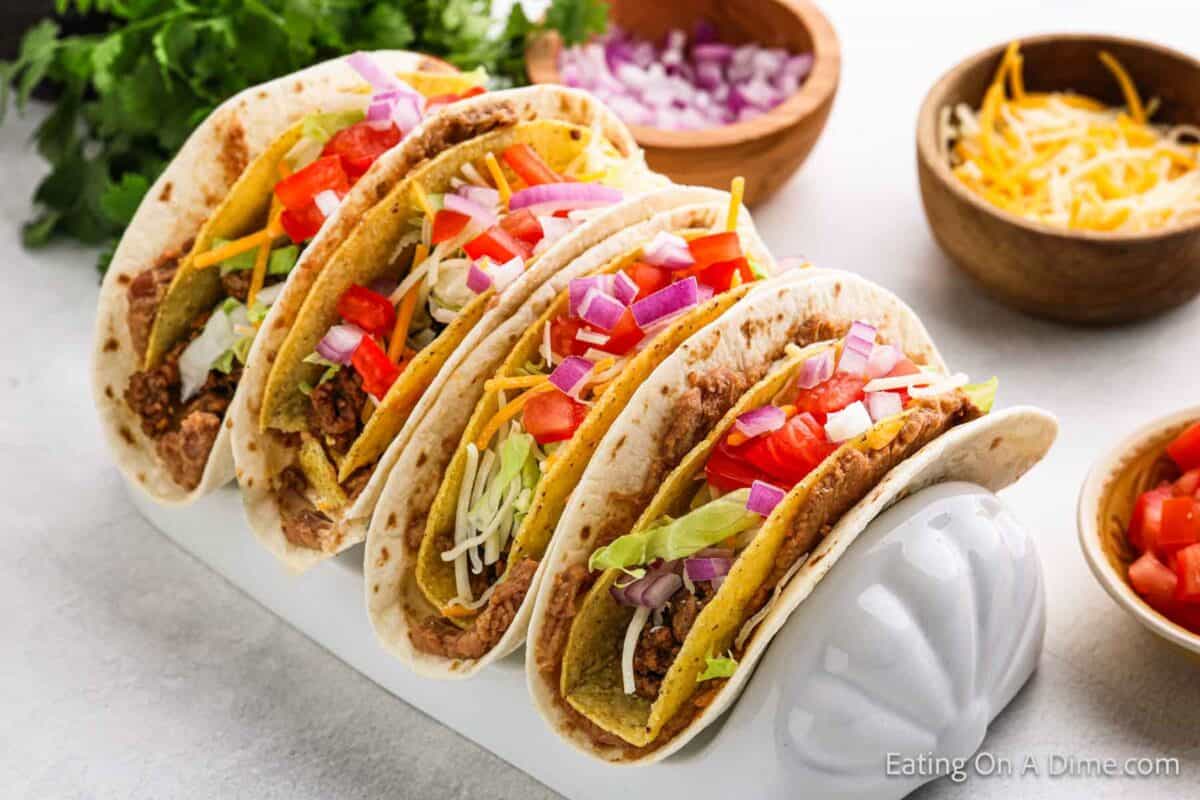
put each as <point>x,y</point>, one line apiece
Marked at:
<point>129,670</point>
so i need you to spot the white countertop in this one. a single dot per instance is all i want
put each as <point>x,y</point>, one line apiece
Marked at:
<point>130,670</point>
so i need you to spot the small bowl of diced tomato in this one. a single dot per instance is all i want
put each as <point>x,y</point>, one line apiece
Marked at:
<point>1139,525</point>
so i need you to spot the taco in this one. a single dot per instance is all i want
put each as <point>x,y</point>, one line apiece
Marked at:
<point>645,628</point>
<point>456,244</point>
<point>531,434</point>
<point>213,244</point>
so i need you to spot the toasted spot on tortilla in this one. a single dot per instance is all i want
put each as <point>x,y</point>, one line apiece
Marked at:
<point>271,357</point>
<point>127,435</point>
<point>262,94</point>
<point>422,458</point>
<point>837,289</point>
<point>375,589</point>
<point>575,134</point>
<point>234,155</point>
<point>585,533</point>
<point>141,476</point>
<point>995,443</point>
<point>249,483</point>
<point>620,443</point>
<point>252,446</point>
<point>229,424</point>
<point>111,345</point>
<point>298,87</point>
<point>108,392</point>
<point>165,194</point>
<point>124,278</point>
<point>391,520</point>
<point>814,561</point>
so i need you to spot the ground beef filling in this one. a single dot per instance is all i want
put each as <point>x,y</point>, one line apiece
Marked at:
<point>303,525</point>
<point>659,644</point>
<point>237,283</point>
<point>183,433</point>
<point>335,410</point>
<point>436,636</point>
<point>145,293</point>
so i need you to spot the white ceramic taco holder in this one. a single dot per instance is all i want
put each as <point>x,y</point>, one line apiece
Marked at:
<point>911,646</point>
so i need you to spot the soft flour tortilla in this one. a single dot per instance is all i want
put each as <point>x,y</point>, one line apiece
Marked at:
<point>993,451</point>
<point>188,192</point>
<point>393,596</point>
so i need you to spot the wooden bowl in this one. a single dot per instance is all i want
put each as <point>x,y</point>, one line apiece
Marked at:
<point>1048,271</point>
<point>765,150</point>
<point>1105,506</point>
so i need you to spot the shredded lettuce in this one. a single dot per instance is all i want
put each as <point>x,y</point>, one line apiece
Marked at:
<point>322,127</point>
<point>283,259</point>
<point>257,312</point>
<point>700,528</point>
<point>982,395</point>
<point>722,667</point>
<point>515,450</point>
<point>224,362</point>
<point>306,388</point>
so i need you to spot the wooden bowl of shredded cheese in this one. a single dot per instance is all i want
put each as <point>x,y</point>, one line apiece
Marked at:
<point>1063,173</point>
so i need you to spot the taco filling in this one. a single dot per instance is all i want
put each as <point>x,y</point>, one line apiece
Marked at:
<point>473,224</point>
<point>542,416</point>
<point>193,317</point>
<point>673,605</point>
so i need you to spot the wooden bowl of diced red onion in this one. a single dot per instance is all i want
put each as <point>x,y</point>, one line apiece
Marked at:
<point>711,89</point>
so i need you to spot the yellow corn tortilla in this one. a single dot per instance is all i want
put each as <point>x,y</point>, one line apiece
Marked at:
<point>364,257</point>
<point>435,576</point>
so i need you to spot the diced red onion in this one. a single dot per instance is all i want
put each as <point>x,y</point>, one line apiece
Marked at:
<point>851,421</point>
<point>705,294</point>
<point>668,250</point>
<point>339,343</point>
<point>602,310</point>
<point>572,194</point>
<point>652,590</point>
<point>816,370</point>
<point>881,361</point>
<point>478,281</point>
<point>763,498</point>
<point>569,376</point>
<point>883,404</point>
<point>371,72</point>
<point>506,273</point>
<point>760,420</point>
<point>856,349</point>
<point>485,196</point>
<point>666,302</point>
<point>327,201</point>
<point>465,205</point>
<point>705,568</point>
<point>624,288</point>
<point>578,289</point>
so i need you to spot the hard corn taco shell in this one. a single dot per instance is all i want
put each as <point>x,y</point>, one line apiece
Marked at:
<point>629,729</point>
<point>218,185</point>
<point>398,527</point>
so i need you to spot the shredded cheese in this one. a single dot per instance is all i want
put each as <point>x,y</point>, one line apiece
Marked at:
<point>736,190</point>
<point>1070,161</point>
<point>514,382</point>
<point>264,252</point>
<point>422,200</point>
<point>233,248</point>
<point>498,178</point>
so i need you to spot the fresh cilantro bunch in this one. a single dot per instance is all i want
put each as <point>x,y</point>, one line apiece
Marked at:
<point>129,97</point>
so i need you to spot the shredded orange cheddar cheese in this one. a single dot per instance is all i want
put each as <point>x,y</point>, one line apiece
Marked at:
<point>404,314</point>
<point>1070,161</point>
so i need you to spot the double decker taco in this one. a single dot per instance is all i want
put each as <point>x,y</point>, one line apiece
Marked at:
<point>214,243</point>
<point>645,629</point>
<point>454,246</point>
<point>458,592</point>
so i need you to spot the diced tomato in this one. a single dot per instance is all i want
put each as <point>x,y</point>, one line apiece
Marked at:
<point>447,224</point>
<point>1187,570</point>
<point>648,278</point>
<point>1189,484</point>
<point>839,391</point>
<point>714,249</point>
<point>562,337</point>
<point>719,276</point>
<point>1146,521</point>
<point>1154,581</point>
<point>1185,450</point>
<point>526,162</point>
<point>297,190</point>
<point>359,145</point>
<point>303,223</point>
<point>451,97</point>
<point>376,369</point>
<point>1186,615</point>
<point>728,472</point>
<point>552,416</point>
<point>369,310</point>
<point>1180,524</point>
<point>498,245</point>
<point>523,225</point>
<point>791,452</point>
<point>623,337</point>
<point>903,367</point>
